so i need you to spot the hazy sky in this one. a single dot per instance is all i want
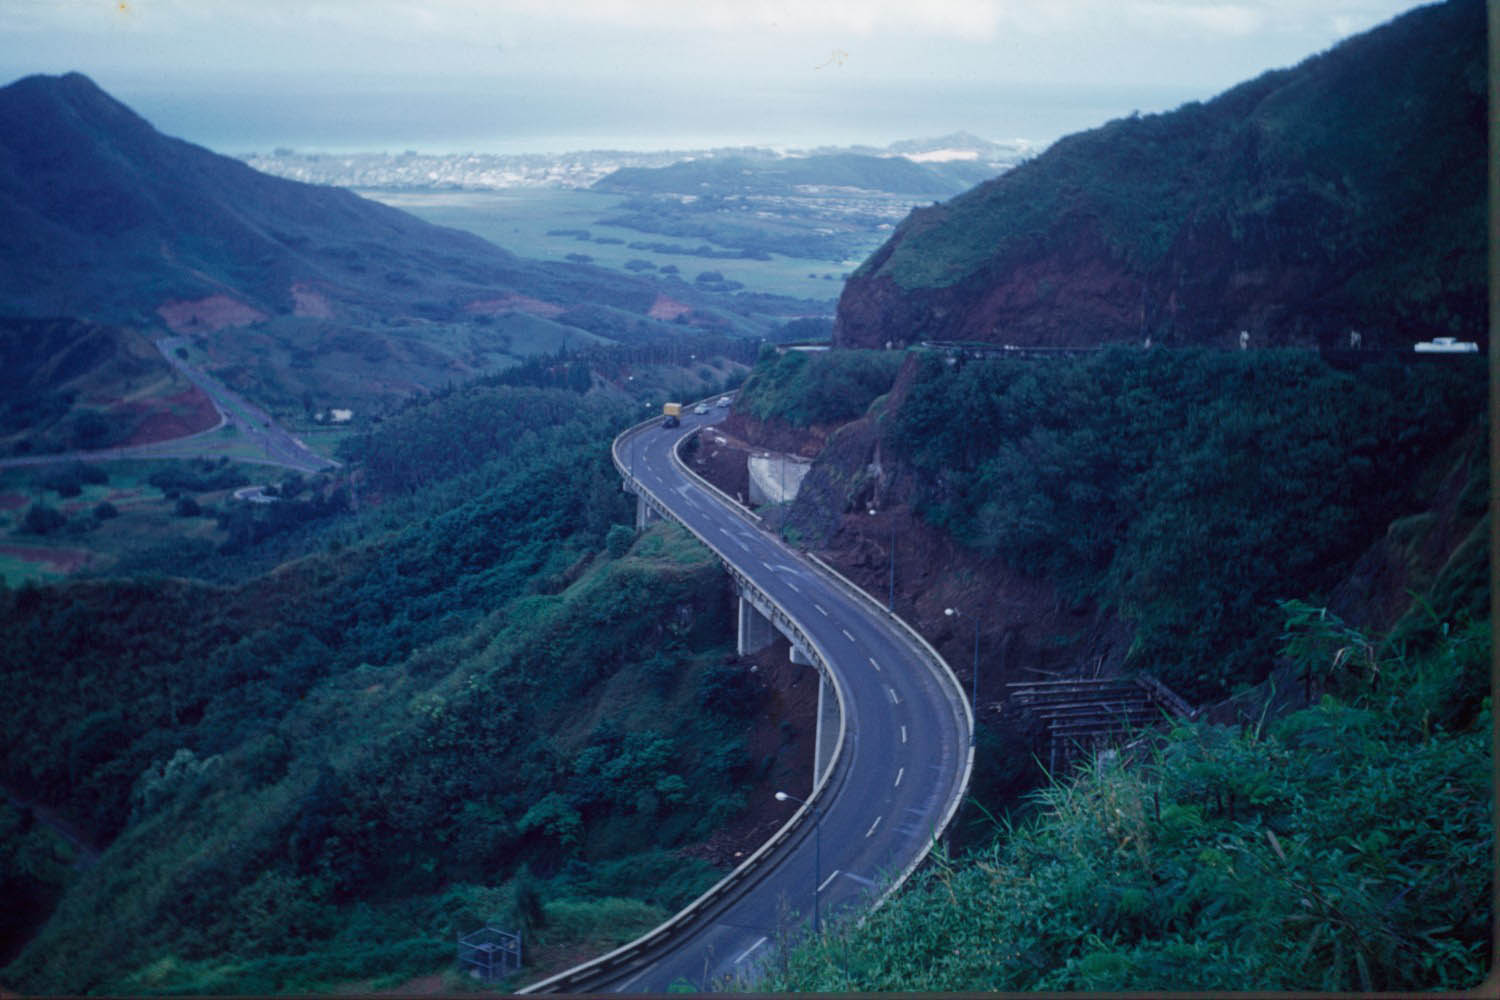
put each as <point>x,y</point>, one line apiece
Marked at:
<point>534,75</point>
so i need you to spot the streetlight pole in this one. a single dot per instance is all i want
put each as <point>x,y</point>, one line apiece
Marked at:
<point>891,601</point>
<point>974,695</point>
<point>817,852</point>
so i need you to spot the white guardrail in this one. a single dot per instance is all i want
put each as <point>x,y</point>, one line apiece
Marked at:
<point>616,960</point>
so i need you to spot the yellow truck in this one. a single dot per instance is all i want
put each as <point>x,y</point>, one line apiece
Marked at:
<point>671,414</point>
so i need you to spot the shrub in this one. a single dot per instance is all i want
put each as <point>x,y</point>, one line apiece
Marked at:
<point>41,519</point>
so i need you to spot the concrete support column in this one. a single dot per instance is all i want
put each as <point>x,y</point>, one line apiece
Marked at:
<point>755,632</point>
<point>645,514</point>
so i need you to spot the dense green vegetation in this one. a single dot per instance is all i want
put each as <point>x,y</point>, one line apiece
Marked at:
<point>1187,490</point>
<point>461,700</point>
<point>805,388</point>
<point>1344,847</point>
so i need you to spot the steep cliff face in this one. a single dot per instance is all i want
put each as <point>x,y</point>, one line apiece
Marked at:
<point>1345,194</point>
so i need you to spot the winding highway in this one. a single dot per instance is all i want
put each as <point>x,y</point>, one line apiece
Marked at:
<point>902,768</point>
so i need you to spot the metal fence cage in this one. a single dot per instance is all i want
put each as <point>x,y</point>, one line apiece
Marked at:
<point>490,953</point>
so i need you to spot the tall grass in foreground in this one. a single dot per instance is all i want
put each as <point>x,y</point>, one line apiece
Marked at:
<point>1346,846</point>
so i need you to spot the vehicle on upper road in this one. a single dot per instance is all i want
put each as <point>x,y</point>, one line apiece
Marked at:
<point>701,409</point>
<point>671,414</point>
<point>1447,345</point>
<point>723,401</point>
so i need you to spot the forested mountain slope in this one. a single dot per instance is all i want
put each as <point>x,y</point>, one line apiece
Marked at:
<point>480,698</point>
<point>1344,194</point>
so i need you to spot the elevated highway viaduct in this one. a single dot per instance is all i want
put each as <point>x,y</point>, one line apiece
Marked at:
<point>895,765</point>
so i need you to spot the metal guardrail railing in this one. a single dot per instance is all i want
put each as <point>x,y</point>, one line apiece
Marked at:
<point>581,976</point>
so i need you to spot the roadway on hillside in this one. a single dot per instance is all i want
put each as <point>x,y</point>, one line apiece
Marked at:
<point>904,757</point>
<point>274,444</point>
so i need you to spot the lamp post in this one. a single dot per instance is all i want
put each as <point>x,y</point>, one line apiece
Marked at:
<point>974,696</point>
<point>817,851</point>
<point>891,601</point>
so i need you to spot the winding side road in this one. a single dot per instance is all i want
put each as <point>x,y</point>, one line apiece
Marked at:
<point>276,445</point>
<point>902,770</point>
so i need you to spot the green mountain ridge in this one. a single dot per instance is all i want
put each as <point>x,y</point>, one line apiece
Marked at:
<point>743,175</point>
<point>1344,194</point>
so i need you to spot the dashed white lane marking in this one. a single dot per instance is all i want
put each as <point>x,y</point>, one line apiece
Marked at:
<point>899,773</point>
<point>903,734</point>
<point>846,634</point>
<point>820,609</point>
<point>794,586</point>
<point>746,953</point>
<point>825,883</point>
<point>894,700</point>
<point>871,830</point>
<point>874,664</point>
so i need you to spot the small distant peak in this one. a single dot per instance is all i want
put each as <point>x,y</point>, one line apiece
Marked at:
<point>73,85</point>
<point>43,95</point>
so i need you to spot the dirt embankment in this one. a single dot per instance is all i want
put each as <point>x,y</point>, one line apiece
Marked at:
<point>188,412</point>
<point>1026,631</point>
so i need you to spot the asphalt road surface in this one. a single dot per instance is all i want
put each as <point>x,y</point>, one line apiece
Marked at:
<point>904,757</point>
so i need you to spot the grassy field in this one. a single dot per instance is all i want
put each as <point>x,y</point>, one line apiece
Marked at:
<point>519,220</point>
<point>146,518</point>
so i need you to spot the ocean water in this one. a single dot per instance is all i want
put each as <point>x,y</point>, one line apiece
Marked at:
<point>493,117</point>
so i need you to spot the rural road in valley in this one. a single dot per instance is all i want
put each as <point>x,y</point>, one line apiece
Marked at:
<point>905,758</point>
<point>276,445</point>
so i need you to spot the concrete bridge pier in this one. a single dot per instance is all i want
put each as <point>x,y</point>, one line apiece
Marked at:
<point>756,631</point>
<point>645,514</point>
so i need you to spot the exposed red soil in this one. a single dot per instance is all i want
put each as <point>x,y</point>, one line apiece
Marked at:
<point>62,560</point>
<point>188,412</point>
<point>515,303</point>
<point>213,313</point>
<point>667,309</point>
<point>1019,617</point>
<point>307,301</point>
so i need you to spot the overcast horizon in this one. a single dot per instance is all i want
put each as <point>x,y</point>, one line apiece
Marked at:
<point>523,76</point>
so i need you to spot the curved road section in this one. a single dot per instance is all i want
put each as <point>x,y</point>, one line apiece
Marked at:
<point>895,783</point>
